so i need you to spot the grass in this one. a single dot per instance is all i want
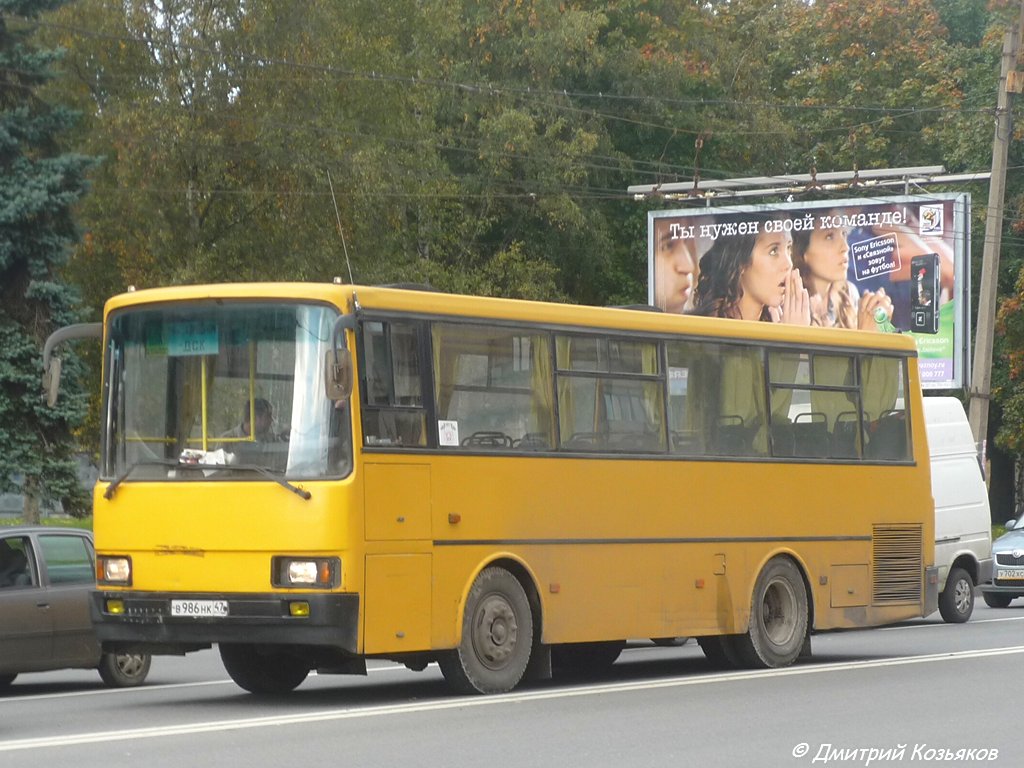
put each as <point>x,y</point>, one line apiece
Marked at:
<point>54,520</point>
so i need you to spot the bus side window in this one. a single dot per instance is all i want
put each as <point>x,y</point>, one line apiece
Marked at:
<point>495,384</point>
<point>393,412</point>
<point>742,426</point>
<point>610,394</point>
<point>882,390</point>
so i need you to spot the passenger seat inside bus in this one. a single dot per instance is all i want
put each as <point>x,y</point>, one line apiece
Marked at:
<point>810,435</point>
<point>844,436</point>
<point>889,438</point>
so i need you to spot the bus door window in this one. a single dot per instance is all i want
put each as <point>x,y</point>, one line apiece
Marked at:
<point>392,385</point>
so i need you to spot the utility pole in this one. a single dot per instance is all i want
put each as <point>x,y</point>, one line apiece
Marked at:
<point>1010,82</point>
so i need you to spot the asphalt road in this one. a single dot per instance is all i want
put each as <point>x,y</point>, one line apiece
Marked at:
<point>921,693</point>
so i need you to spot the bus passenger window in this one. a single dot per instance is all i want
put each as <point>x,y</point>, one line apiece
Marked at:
<point>495,384</point>
<point>610,395</point>
<point>882,391</point>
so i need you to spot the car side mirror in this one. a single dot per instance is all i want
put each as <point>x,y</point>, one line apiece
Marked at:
<point>1010,523</point>
<point>338,374</point>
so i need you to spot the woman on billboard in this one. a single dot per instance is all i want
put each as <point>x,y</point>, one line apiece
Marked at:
<point>751,277</point>
<point>822,257</point>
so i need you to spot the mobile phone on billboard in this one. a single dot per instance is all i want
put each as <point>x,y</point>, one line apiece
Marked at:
<point>924,293</point>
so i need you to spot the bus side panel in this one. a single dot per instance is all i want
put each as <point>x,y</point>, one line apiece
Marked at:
<point>664,548</point>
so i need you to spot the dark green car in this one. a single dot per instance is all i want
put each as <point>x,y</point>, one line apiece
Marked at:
<point>46,575</point>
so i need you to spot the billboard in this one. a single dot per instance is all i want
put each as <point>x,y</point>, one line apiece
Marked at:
<point>895,264</point>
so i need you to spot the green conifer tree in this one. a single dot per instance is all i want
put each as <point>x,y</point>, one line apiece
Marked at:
<point>39,184</point>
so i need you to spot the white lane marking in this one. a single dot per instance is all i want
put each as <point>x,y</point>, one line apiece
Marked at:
<point>99,737</point>
<point>157,687</point>
<point>946,624</point>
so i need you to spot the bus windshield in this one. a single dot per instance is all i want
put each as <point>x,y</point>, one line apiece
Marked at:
<point>234,385</point>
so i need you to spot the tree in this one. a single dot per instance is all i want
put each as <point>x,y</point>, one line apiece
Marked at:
<point>39,184</point>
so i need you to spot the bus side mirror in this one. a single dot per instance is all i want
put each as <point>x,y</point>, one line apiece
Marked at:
<point>338,374</point>
<point>51,364</point>
<point>51,381</point>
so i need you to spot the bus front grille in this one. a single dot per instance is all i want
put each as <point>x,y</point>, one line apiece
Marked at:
<point>898,568</point>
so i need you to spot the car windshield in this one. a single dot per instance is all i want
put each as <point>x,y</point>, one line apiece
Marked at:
<point>237,386</point>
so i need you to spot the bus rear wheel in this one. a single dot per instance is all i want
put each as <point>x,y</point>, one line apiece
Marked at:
<point>778,617</point>
<point>262,671</point>
<point>497,636</point>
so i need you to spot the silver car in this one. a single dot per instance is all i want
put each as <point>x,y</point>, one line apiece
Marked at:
<point>46,575</point>
<point>1008,578</point>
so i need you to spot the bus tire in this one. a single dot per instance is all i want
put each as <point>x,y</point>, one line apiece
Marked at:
<point>956,602</point>
<point>778,617</point>
<point>583,659</point>
<point>497,636</point>
<point>720,651</point>
<point>269,672</point>
<point>124,670</point>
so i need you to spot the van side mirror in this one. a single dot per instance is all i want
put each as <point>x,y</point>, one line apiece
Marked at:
<point>338,374</point>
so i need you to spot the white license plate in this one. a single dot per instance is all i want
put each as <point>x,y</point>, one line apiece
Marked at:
<point>199,608</point>
<point>1010,573</point>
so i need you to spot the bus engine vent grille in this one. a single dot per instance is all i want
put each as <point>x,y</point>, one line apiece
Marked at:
<point>898,569</point>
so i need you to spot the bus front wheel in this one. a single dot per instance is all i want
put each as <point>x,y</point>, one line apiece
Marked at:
<point>261,671</point>
<point>497,636</point>
<point>778,617</point>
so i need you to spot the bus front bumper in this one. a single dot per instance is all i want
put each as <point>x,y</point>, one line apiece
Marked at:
<point>153,621</point>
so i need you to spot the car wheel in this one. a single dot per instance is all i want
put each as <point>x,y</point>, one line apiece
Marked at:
<point>956,603</point>
<point>124,670</point>
<point>6,680</point>
<point>996,599</point>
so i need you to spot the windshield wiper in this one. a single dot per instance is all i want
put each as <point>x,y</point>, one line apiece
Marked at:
<point>267,473</point>
<point>109,493</point>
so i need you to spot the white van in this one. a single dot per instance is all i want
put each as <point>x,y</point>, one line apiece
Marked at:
<point>963,523</point>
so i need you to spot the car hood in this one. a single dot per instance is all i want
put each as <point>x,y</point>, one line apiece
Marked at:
<point>1009,541</point>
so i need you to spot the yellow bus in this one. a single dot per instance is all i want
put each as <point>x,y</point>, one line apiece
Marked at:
<point>310,475</point>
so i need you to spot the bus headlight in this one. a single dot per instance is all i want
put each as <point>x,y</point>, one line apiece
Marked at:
<point>306,572</point>
<point>114,569</point>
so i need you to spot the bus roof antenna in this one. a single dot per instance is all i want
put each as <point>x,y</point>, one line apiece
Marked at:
<point>341,231</point>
